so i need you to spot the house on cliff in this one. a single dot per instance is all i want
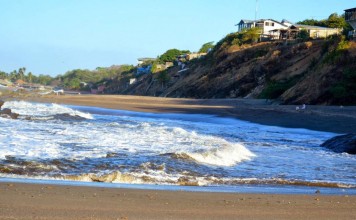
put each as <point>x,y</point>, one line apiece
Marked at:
<point>274,30</point>
<point>267,26</point>
<point>350,17</point>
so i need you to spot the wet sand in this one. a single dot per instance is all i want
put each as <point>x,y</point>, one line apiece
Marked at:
<point>337,119</point>
<point>38,201</point>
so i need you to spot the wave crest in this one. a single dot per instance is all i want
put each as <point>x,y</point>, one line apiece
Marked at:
<point>44,110</point>
<point>226,155</point>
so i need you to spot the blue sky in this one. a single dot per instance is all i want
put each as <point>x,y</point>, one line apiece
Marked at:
<point>55,36</point>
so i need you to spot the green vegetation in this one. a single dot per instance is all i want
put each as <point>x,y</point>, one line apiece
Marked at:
<point>337,48</point>
<point>21,75</point>
<point>171,55</point>
<point>303,34</point>
<point>275,89</point>
<point>247,36</point>
<point>344,92</point>
<point>251,35</point>
<point>333,21</point>
<point>163,77</point>
<point>206,47</point>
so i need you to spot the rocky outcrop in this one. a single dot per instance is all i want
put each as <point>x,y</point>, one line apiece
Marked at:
<point>6,112</point>
<point>342,144</point>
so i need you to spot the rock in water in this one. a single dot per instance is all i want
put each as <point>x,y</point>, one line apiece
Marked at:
<point>343,143</point>
<point>6,113</point>
<point>1,103</point>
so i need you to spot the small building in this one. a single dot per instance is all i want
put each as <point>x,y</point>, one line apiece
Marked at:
<point>132,81</point>
<point>192,56</point>
<point>146,60</point>
<point>350,17</point>
<point>143,70</point>
<point>316,32</point>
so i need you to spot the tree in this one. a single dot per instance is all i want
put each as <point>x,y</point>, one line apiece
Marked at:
<point>21,73</point>
<point>251,35</point>
<point>3,75</point>
<point>303,34</point>
<point>171,55</point>
<point>336,21</point>
<point>206,47</point>
<point>30,76</point>
<point>311,22</point>
<point>163,77</point>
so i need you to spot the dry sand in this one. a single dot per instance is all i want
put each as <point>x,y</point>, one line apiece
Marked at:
<point>28,201</point>
<point>38,201</point>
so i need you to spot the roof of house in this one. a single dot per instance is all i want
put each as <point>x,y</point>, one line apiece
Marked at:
<point>244,21</point>
<point>146,59</point>
<point>351,9</point>
<point>312,27</point>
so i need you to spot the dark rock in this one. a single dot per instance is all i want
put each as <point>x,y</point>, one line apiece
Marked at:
<point>14,115</point>
<point>1,103</point>
<point>342,144</point>
<point>5,111</point>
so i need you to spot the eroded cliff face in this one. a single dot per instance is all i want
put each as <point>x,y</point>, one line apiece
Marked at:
<point>313,72</point>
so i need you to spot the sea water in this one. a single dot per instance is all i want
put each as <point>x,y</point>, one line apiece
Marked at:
<point>88,144</point>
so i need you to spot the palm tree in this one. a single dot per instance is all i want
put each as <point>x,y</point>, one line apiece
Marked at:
<point>22,72</point>
<point>29,75</point>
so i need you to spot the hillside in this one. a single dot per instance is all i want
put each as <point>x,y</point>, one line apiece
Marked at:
<point>311,72</point>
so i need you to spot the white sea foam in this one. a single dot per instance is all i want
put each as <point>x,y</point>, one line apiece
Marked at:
<point>90,139</point>
<point>226,155</point>
<point>37,109</point>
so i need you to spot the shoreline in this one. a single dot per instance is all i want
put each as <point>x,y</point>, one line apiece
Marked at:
<point>47,201</point>
<point>336,119</point>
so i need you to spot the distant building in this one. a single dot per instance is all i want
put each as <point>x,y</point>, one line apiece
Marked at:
<point>350,17</point>
<point>145,60</point>
<point>267,26</point>
<point>132,81</point>
<point>274,30</point>
<point>192,56</point>
<point>143,70</point>
<point>317,32</point>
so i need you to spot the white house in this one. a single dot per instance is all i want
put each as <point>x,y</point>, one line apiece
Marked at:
<point>267,26</point>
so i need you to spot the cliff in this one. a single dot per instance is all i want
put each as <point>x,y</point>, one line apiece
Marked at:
<point>312,72</point>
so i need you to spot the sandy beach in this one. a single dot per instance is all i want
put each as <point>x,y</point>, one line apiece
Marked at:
<point>337,119</point>
<point>40,201</point>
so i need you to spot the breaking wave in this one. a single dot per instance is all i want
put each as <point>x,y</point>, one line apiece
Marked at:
<point>226,155</point>
<point>37,110</point>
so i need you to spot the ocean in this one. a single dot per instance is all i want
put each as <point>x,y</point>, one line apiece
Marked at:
<point>88,145</point>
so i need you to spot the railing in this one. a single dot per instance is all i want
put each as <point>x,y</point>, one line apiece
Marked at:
<point>352,34</point>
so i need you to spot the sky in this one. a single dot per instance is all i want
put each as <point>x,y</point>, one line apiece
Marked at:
<point>55,36</point>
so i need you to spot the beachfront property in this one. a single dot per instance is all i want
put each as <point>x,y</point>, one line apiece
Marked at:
<point>350,17</point>
<point>267,27</point>
<point>274,30</point>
